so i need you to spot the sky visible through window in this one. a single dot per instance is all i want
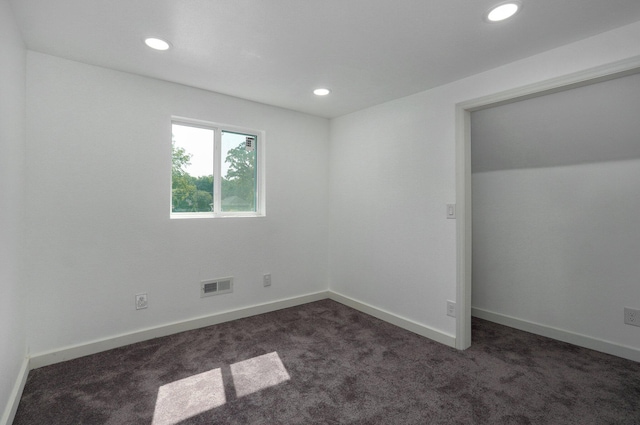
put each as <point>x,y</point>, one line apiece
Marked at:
<point>199,143</point>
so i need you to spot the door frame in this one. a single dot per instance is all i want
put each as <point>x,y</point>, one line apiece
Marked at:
<point>463,168</point>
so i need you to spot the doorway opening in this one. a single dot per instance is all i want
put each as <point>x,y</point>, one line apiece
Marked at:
<point>464,172</point>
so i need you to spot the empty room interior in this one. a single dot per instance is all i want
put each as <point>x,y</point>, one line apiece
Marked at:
<point>282,211</point>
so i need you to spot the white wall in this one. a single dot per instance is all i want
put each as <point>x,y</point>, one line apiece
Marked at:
<point>98,187</point>
<point>393,172</point>
<point>391,244</point>
<point>556,233</point>
<point>559,247</point>
<point>13,347</point>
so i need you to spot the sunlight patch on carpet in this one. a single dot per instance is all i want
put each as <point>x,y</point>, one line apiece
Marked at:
<point>258,373</point>
<point>189,397</point>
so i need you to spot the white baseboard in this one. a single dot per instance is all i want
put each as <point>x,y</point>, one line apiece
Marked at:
<point>14,399</point>
<point>73,352</point>
<point>394,319</point>
<point>580,340</point>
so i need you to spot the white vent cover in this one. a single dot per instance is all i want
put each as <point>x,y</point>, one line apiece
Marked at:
<point>216,287</point>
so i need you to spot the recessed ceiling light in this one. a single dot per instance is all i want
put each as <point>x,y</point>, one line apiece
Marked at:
<point>503,11</point>
<point>321,92</point>
<point>157,43</point>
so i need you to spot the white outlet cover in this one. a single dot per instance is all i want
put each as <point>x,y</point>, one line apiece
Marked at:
<point>631,316</point>
<point>141,301</point>
<point>451,308</point>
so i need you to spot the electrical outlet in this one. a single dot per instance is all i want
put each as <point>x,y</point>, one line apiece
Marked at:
<point>451,309</point>
<point>266,279</point>
<point>141,301</point>
<point>631,316</point>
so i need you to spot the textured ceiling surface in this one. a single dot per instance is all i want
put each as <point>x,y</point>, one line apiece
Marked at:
<point>277,51</point>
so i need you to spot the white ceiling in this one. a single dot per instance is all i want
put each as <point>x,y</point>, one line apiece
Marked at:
<point>277,51</point>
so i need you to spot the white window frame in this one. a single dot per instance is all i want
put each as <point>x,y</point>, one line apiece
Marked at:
<point>217,170</point>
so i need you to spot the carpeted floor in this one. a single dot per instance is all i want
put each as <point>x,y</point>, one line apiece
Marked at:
<point>324,363</point>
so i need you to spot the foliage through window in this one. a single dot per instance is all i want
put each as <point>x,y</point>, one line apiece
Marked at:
<point>215,171</point>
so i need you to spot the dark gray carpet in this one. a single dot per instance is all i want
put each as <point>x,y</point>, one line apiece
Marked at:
<point>324,363</point>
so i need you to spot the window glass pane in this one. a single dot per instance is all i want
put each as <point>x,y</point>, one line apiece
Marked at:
<point>239,178</point>
<point>192,169</point>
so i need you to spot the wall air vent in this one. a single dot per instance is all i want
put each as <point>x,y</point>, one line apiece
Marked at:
<point>216,287</point>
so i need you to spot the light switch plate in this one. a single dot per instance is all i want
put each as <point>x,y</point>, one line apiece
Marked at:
<point>451,211</point>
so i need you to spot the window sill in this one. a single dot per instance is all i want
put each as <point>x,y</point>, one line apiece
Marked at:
<point>180,216</point>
